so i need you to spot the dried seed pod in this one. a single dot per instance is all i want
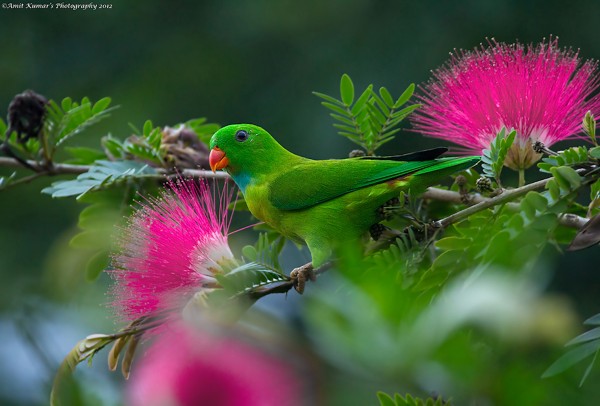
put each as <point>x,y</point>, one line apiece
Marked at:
<point>115,352</point>
<point>356,153</point>
<point>183,149</point>
<point>26,114</point>
<point>376,231</point>
<point>128,357</point>
<point>484,184</point>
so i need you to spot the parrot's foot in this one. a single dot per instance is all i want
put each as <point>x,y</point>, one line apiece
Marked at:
<point>301,274</point>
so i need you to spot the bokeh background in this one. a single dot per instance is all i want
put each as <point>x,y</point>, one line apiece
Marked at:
<point>251,61</point>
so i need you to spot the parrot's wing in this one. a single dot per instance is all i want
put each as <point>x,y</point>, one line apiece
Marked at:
<point>315,182</point>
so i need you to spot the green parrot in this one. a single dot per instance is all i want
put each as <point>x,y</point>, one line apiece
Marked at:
<point>321,202</point>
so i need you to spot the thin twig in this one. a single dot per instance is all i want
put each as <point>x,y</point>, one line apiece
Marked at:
<point>61,169</point>
<point>450,196</point>
<point>567,219</point>
<point>18,160</point>
<point>505,197</point>
<point>23,180</point>
<point>572,220</point>
<point>57,168</point>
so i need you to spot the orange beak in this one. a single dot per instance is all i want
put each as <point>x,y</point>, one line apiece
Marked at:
<point>217,159</point>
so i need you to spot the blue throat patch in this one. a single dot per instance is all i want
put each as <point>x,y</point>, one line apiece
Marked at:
<point>242,179</point>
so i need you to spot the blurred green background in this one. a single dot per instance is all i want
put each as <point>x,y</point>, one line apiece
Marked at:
<point>230,61</point>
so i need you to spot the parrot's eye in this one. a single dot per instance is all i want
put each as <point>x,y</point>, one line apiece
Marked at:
<point>241,136</point>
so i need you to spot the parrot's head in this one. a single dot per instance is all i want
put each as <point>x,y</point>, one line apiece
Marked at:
<point>242,147</point>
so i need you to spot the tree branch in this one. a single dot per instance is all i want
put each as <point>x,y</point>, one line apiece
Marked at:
<point>566,219</point>
<point>505,197</point>
<point>450,196</point>
<point>572,220</point>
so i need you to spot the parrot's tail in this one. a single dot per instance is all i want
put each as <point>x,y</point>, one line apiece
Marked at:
<point>448,166</point>
<point>440,170</point>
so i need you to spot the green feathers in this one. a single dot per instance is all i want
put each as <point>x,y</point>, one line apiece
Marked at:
<point>334,178</point>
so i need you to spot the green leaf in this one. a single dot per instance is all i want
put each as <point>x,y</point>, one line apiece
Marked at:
<point>496,154</point>
<point>6,180</point>
<point>554,189</point>
<point>593,334</point>
<point>407,94</point>
<point>447,258</point>
<point>147,129</point>
<point>2,129</point>
<point>385,399</point>
<point>101,105</point>
<point>593,321</point>
<point>329,99</point>
<point>267,251</point>
<point>538,201</point>
<point>572,176</point>
<point>570,157</point>
<point>571,358</point>
<point>533,203</point>
<point>84,155</point>
<point>400,114</point>
<point>154,138</point>
<point>440,270</point>
<point>66,104</point>
<point>113,147</point>
<point>377,114</point>
<point>96,265</point>
<point>362,100</point>
<point>336,108</point>
<point>249,276</point>
<point>498,245</point>
<point>588,370</point>
<point>566,177</point>
<point>376,101</point>
<point>250,252</point>
<point>595,152</point>
<point>70,119</point>
<point>453,243</point>
<point>347,90</point>
<point>98,216</point>
<point>103,174</point>
<point>203,130</point>
<point>386,97</point>
<point>344,127</point>
<point>344,120</point>
<point>370,122</point>
<point>407,400</point>
<point>87,238</point>
<point>589,126</point>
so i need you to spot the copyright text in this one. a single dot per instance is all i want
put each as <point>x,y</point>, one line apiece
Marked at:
<point>58,6</point>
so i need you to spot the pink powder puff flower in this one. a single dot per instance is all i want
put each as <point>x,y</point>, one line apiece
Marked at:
<point>541,91</point>
<point>171,249</point>
<point>186,367</point>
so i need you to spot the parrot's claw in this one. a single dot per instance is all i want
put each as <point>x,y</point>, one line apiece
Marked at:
<point>301,274</point>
